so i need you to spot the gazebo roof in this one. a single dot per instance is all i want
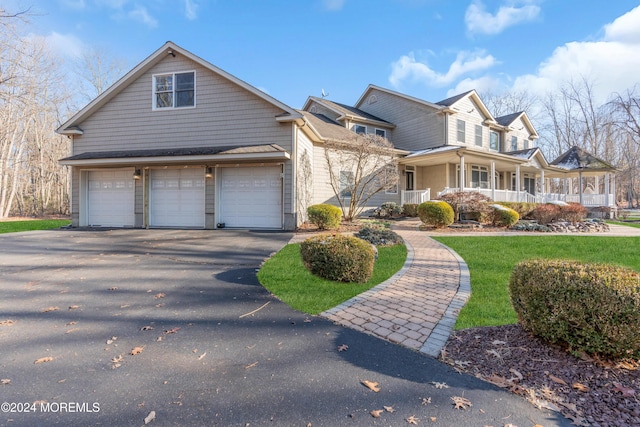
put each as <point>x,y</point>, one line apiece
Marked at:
<point>576,159</point>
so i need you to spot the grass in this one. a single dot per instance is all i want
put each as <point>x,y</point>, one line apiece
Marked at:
<point>285,276</point>
<point>38,224</point>
<point>626,224</point>
<point>491,260</point>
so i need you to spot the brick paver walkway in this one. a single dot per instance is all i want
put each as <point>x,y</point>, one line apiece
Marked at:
<point>418,306</point>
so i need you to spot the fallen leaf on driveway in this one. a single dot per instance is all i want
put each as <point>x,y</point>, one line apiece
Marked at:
<point>7,322</point>
<point>159,295</point>
<point>5,381</point>
<point>73,307</point>
<point>43,360</point>
<point>171,331</point>
<point>136,350</point>
<point>48,309</point>
<point>376,413</point>
<point>371,385</point>
<point>150,417</point>
<point>439,385</point>
<point>413,420</point>
<point>426,400</point>
<point>146,328</point>
<point>117,359</point>
<point>113,288</point>
<point>460,402</point>
<point>251,365</point>
<point>389,408</point>
<point>343,347</point>
<point>111,340</point>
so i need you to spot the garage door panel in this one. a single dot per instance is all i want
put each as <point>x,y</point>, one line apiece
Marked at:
<point>251,197</point>
<point>110,198</point>
<point>177,198</point>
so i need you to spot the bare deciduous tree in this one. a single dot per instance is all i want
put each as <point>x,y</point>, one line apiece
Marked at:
<point>359,169</point>
<point>97,70</point>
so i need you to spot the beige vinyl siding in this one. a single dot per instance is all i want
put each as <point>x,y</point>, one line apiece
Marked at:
<point>304,177</point>
<point>433,177</point>
<point>418,126</point>
<point>469,112</point>
<point>520,131</point>
<point>225,114</point>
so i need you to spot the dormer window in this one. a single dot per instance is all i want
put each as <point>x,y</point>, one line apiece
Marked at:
<point>174,90</point>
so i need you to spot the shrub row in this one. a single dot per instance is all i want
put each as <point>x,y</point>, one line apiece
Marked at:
<point>594,308</point>
<point>548,212</point>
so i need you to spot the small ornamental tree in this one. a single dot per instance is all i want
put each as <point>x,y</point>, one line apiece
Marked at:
<point>358,169</point>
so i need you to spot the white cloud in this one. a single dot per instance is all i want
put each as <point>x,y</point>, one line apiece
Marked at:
<point>333,5</point>
<point>66,45</point>
<point>611,64</point>
<point>74,4</point>
<point>479,21</point>
<point>407,68</point>
<point>140,14</point>
<point>190,9</point>
<point>485,84</point>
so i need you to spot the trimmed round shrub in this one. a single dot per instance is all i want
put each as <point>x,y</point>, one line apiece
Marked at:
<point>325,216</point>
<point>591,308</point>
<point>379,235</point>
<point>436,213</point>
<point>504,216</point>
<point>338,258</point>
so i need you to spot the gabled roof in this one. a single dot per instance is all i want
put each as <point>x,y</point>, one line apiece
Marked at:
<point>169,48</point>
<point>371,87</point>
<point>346,111</point>
<point>450,101</point>
<point>577,159</point>
<point>324,128</point>
<point>450,104</point>
<point>508,119</point>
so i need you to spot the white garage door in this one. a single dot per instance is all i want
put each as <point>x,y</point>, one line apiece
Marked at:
<point>176,198</point>
<point>251,197</point>
<point>110,198</point>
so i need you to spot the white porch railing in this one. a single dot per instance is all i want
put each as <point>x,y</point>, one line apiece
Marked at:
<point>415,196</point>
<point>588,200</point>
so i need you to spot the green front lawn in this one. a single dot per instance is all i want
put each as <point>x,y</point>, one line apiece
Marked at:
<point>491,260</point>
<point>285,276</point>
<point>38,224</point>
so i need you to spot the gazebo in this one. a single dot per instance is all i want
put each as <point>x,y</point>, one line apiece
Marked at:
<point>582,164</point>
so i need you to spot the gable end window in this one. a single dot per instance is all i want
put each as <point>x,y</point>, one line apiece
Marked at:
<point>479,135</point>
<point>494,140</point>
<point>461,131</point>
<point>514,143</point>
<point>174,90</point>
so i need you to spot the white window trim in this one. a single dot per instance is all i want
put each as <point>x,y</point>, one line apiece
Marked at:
<point>464,131</point>
<point>384,132</point>
<point>153,91</point>
<point>497,148</point>
<point>355,128</point>
<point>481,170</point>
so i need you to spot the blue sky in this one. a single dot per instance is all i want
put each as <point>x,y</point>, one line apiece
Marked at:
<point>429,49</point>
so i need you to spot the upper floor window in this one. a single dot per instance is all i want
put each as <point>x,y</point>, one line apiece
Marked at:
<point>514,143</point>
<point>479,135</point>
<point>360,129</point>
<point>461,131</point>
<point>381,132</point>
<point>346,184</point>
<point>494,140</point>
<point>526,144</point>
<point>174,90</point>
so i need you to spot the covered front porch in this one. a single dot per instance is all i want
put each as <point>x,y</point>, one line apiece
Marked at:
<point>523,176</point>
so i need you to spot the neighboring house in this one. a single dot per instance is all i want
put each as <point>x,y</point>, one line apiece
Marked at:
<point>178,142</point>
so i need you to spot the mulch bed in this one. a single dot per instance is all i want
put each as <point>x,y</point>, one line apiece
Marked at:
<point>588,391</point>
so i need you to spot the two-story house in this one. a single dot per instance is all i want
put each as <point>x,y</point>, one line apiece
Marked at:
<point>178,142</point>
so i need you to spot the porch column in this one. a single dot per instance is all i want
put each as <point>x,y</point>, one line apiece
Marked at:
<point>543,183</point>
<point>606,189</point>
<point>518,182</point>
<point>461,178</point>
<point>493,180</point>
<point>580,186</point>
<point>613,190</point>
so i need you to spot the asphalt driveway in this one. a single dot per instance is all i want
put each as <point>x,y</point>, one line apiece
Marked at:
<point>210,346</point>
